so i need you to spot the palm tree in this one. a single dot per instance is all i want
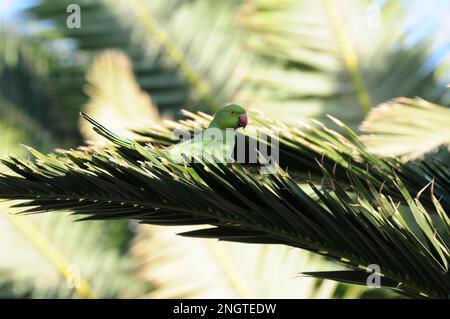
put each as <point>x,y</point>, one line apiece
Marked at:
<point>338,200</point>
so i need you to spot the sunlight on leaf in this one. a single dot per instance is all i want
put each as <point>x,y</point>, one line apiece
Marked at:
<point>408,128</point>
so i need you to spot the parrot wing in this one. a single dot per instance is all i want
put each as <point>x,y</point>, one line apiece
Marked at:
<point>203,145</point>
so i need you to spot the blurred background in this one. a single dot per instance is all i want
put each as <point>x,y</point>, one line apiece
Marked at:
<point>128,62</point>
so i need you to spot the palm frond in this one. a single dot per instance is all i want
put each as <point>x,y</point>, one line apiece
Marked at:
<point>358,227</point>
<point>173,44</point>
<point>300,151</point>
<point>320,57</point>
<point>48,256</point>
<point>407,128</point>
<point>58,259</point>
<point>201,268</point>
<point>306,59</point>
<point>115,97</point>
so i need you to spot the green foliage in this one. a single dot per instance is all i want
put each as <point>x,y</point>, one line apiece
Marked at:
<point>196,268</point>
<point>353,221</point>
<point>292,59</point>
<point>174,45</point>
<point>407,128</point>
<point>26,96</point>
<point>336,57</point>
<point>29,246</point>
<point>203,268</point>
<point>39,251</point>
<point>305,151</point>
<point>46,263</point>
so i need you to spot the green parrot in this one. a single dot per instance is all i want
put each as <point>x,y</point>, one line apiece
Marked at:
<point>216,143</point>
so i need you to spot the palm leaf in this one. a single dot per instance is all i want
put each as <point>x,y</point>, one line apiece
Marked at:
<point>57,259</point>
<point>300,150</point>
<point>202,268</point>
<point>115,96</point>
<point>307,59</point>
<point>321,57</point>
<point>173,45</point>
<point>356,230</point>
<point>41,255</point>
<point>407,128</point>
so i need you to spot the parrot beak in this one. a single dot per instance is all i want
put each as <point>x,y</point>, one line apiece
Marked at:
<point>243,120</point>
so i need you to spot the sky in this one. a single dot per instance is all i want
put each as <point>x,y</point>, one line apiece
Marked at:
<point>433,15</point>
<point>10,9</point>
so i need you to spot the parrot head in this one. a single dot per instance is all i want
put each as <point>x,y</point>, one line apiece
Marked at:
<point>230,116</point>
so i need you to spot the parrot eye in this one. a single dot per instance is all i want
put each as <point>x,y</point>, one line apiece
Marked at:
<point>232,112</point>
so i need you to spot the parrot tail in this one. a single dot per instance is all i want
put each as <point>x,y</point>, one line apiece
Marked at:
<point>103,131</point>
